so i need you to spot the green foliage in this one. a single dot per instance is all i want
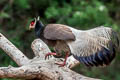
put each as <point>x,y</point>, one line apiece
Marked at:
<point>4,15</point>
<point>22,4</point>
<point>80,13</point>
<point>15,16</point>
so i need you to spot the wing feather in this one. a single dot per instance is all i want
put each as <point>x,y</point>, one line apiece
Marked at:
<point>58,32</point>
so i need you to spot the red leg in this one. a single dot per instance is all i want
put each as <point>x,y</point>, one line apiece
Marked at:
<point>48,54</point>
<point>63,64</point>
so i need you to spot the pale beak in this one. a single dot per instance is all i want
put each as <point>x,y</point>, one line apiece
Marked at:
<point>30,27</point>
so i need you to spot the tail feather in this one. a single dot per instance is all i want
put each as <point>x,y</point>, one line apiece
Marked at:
<point>89,61</point>
<point>99,60</point>
<point>103,57</point>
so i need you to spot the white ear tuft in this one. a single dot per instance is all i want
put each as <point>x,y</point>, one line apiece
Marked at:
<point>38,18</point>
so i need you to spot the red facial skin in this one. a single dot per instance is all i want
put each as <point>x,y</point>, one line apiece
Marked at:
<point>32,23</point>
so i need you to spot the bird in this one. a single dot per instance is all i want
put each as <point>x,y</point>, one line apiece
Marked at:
<point>94,47</point>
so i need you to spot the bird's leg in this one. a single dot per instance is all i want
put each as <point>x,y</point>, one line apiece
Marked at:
<point>63,64</point>
<point>52,53</point>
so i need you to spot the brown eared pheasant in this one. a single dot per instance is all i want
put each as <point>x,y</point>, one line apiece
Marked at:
<point>94,47</point>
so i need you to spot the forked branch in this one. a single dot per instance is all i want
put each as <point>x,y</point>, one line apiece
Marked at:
<point>37,67</point>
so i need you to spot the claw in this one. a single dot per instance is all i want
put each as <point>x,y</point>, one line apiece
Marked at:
<point>64,63</point>
<point>61,64</point>
<point>49,54</point>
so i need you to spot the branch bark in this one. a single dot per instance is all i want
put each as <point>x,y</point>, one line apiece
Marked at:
<point>12,51</point>
<point>40,49</point>
<point>37,67</point>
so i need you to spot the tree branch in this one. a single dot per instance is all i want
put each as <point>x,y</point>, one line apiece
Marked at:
<point>37,67</point>
<point>43,70</point>
<point>12,51</point>
<point>40,48</point>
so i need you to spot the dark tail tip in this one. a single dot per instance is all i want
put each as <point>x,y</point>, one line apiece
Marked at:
<point>103,57</point>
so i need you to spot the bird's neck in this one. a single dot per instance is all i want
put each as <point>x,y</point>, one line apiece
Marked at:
<point>39,29</point>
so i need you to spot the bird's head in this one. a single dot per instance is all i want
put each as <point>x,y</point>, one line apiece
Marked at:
<point>37,24</point>
<point>32,24</point>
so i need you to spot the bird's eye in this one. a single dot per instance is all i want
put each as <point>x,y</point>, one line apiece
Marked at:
<point>32,23</point>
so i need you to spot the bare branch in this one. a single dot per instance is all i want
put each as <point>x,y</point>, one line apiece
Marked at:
<point>72,62</point>
<point>37,67</point>
<point>27,72</point>
<point>43,70</point>
<point>40,48</point>
<point>12,51</point>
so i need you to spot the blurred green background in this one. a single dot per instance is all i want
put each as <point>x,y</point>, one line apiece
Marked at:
<point>15,17</point>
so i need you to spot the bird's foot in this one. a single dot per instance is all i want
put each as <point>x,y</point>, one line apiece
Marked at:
<point>61,64</point>
<point>64,63</point>
<point>49,54</point>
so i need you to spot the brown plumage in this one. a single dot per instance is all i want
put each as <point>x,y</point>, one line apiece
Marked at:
<point>92,47</point>
<point>59,35</point>
<point>58,32</point>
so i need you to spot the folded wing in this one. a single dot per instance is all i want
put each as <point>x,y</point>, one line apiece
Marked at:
<point>58,32</point>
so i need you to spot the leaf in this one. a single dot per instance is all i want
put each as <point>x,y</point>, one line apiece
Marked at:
<point>4,15</point>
